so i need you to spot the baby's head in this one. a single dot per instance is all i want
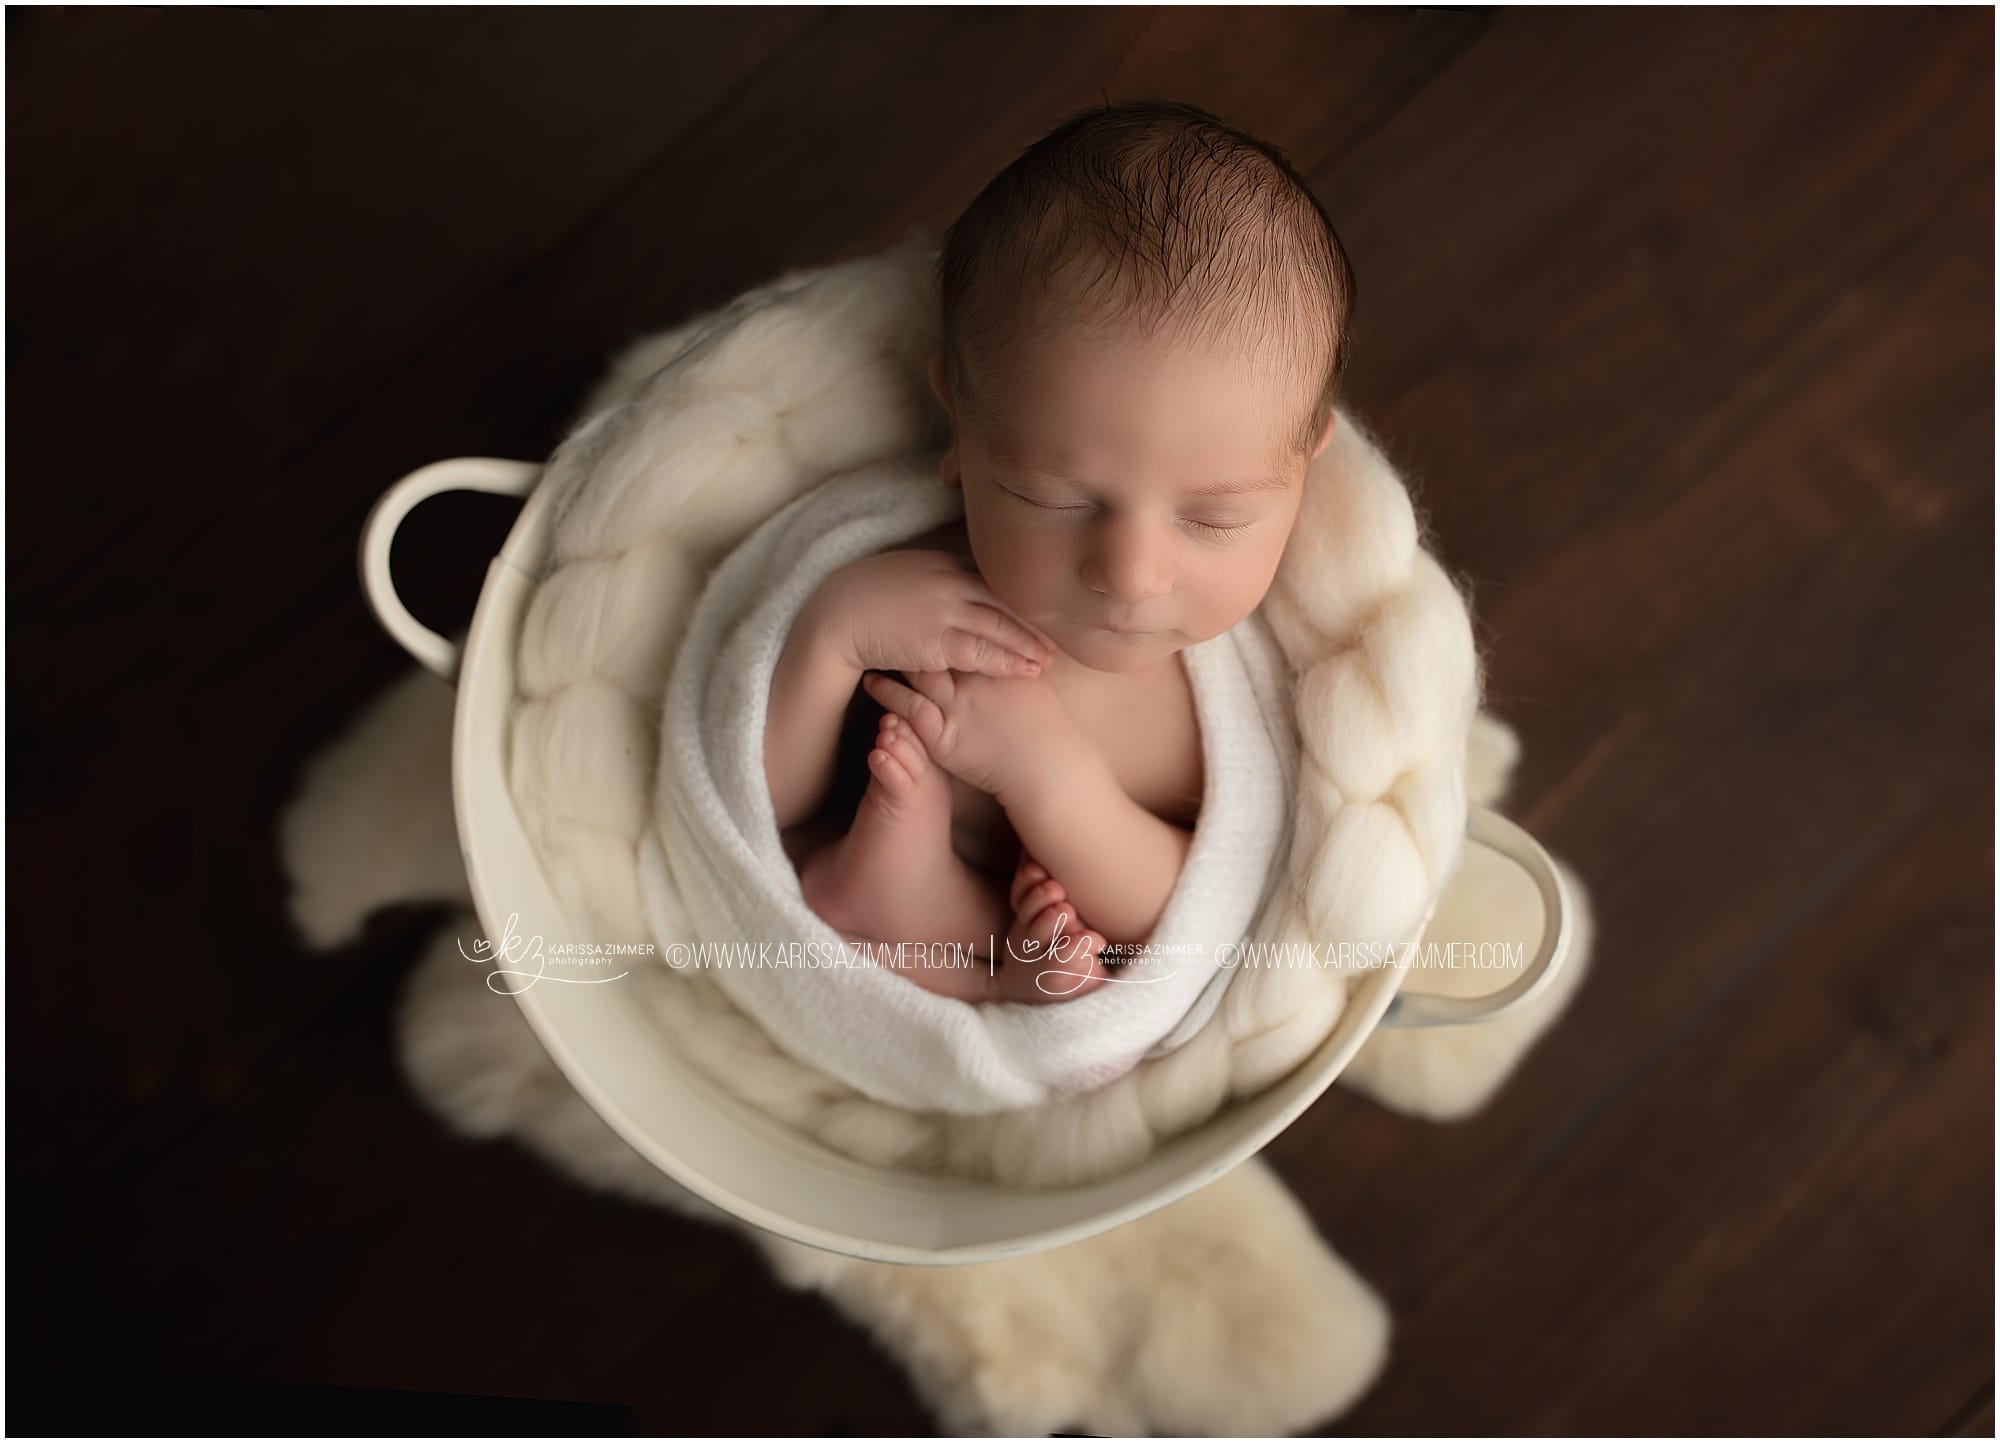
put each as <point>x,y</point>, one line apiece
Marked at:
<point>1143,309</point>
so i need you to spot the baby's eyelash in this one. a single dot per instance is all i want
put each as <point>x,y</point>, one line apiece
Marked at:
<point>1219,530</point>
<point>1205,527</point>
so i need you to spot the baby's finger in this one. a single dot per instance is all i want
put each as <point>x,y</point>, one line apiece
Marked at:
<point>968,651</point>
<point>990,620</point>
<point>937,685</point>
<point>918,710</point>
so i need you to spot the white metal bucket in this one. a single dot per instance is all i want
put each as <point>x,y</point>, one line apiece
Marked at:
<point>754,1167</point>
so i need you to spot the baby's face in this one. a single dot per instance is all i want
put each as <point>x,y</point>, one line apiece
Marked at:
<point>1090,510</point>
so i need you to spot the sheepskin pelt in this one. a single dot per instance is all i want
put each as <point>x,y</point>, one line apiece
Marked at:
<point>701,433</point>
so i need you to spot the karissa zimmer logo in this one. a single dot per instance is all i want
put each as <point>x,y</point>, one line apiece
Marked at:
<point>520,954</point>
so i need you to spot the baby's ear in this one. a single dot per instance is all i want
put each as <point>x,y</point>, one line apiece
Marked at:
<point>936,372</point>
<point>1325,435</point>
<point>948,467</point>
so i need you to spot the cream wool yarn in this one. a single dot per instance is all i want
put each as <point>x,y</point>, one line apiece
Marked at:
<point>701,433</point>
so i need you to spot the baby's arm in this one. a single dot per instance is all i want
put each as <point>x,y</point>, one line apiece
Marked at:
<point>810,690</point>
<point>899,610</point>
<point>1118,862</point>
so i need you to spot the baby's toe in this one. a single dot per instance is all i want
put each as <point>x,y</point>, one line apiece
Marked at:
<point>1035,890</point>
<point>1073,967</point>
<point>910,747</point>
<point>898,760</point>
<point>1026,879</point>
<point>1070,931</point>
<point>1035,920</point>
<point>890,773</point>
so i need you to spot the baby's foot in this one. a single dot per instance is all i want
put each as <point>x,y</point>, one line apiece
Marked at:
<point>1050,955</point>
<point>906,786</point>
<point>894,876</point>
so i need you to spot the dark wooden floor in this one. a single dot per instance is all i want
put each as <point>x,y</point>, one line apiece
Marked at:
<point>1680,321</point>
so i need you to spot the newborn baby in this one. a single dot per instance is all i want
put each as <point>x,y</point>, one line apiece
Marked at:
<point>1144,328</point>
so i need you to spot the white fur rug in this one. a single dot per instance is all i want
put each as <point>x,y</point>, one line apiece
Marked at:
<point>1221,1314</point>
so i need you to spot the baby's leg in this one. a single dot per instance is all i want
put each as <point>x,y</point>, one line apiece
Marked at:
<point>895,877</point>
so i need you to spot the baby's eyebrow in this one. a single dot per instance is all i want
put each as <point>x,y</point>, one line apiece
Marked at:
<point>1251,486</point>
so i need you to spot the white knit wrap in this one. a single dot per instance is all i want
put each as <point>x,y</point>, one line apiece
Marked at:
<point>702,433</point>
<point>715,857</point>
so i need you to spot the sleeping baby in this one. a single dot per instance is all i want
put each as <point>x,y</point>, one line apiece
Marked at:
<point>1144,326</point>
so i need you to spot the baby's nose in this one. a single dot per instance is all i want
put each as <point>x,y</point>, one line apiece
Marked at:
<point>1129,568</point>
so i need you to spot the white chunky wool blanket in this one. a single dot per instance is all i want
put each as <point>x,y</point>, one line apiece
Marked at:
<point>703,433</point>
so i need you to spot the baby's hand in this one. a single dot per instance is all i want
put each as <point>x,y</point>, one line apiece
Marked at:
<point>913,611</point>
<point>995,734</point>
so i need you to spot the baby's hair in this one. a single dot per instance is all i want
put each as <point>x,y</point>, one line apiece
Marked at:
<point>1150,214</point>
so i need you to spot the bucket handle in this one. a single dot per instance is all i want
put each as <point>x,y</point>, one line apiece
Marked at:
<point>465,473</point>
<point>1488,828</point>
